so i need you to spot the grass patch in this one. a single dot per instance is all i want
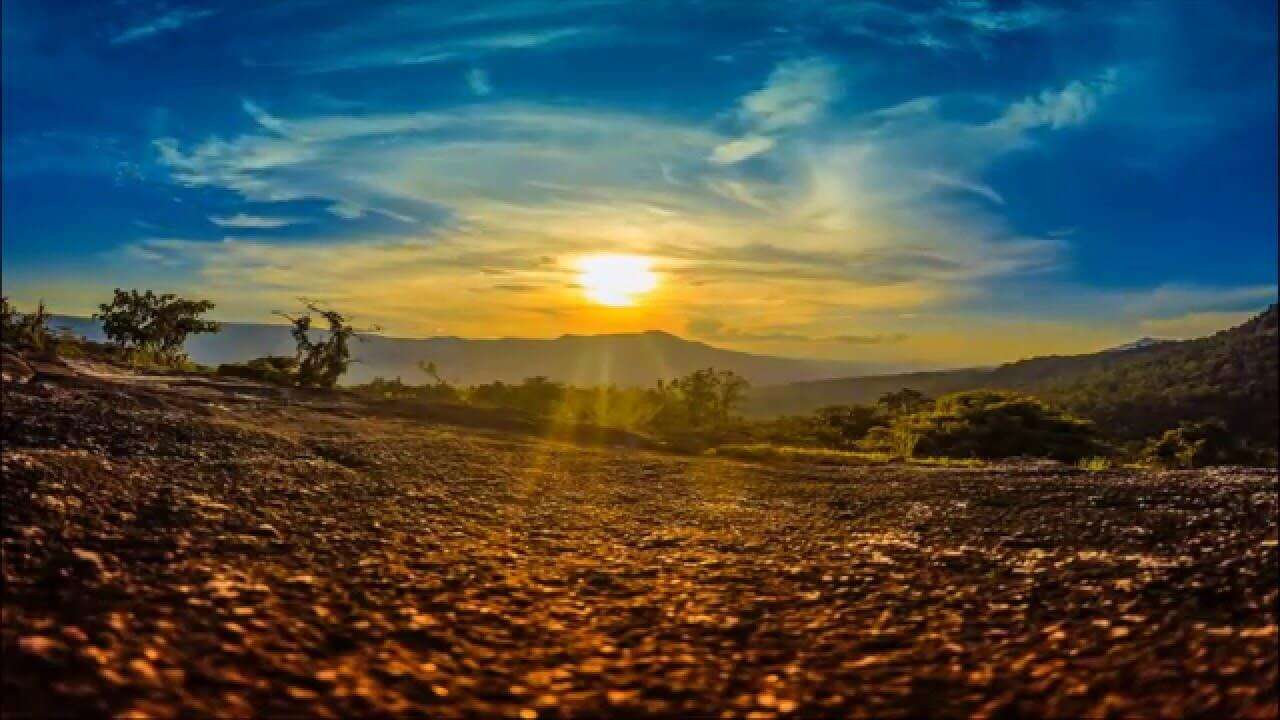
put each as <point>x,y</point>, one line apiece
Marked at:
<point>823,456</point>
<point>1095,464</point>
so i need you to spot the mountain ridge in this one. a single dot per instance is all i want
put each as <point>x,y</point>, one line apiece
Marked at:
<point>1135,391</point>
<point>625,359</point>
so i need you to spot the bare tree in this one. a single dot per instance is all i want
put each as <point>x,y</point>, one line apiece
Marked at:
<point>321,361</point>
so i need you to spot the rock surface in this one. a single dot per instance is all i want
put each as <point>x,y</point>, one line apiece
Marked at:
<point>179,554</point>
<point>13,369</point>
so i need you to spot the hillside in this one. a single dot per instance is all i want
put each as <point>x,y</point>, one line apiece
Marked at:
<point>804,397</point>
<point>638,359</point>
<point>1133,392</point>
<point>1231,375</point>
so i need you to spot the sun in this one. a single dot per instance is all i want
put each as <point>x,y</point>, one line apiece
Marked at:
<point>616,280</point>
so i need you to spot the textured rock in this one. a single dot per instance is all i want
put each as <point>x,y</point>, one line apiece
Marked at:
<point>172,558</point>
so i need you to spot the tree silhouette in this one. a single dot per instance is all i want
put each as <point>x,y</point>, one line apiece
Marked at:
<point>321,362</point>
<point>159,324</point>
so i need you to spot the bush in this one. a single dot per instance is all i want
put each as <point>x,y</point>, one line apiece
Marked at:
<point>701,402</point>
<point>904,402</point>
<point>536,396</point>
<point>382,389</point>
<point>988,424</point>
<point>842,426</point>
<point>321,362</point>
<point>272,369</point>
<point>1095,463</point>
<point>1193,445</point>
<point>29,331</point>
<point>150,329</point>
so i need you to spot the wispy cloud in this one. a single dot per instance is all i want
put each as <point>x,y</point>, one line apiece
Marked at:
<point>884,212</point>
<point>943,180</point>
<point>259,222</point>
<point>1172,300</point>
<point>167,22</point>
<point>795,94</point>
<point>941,27</point>
<point>1072,105</point>
<point>741,148</point>
<point>462,48</point>
<point>874,339</point>
<point>716,330</point>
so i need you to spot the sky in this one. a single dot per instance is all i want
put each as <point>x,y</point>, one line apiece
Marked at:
<point>924,183</point>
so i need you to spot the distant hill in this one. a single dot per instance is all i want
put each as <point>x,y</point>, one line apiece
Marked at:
<point>804,397</point>
<point>1138,344</point>
<point>1134,391</point>
<point>636,359</point>
<point>1232,375</point>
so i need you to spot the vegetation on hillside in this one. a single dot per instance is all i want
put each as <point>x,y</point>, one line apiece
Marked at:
<point>987,424</point>
<point>1177,404</point>
<point>1230,377</point>
<point>691,412</point>
<point>1155,404</point>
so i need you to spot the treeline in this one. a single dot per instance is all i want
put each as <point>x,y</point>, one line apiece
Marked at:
<point>691,412</point>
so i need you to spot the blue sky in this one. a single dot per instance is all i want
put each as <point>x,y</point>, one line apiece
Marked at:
<point>872,180</point>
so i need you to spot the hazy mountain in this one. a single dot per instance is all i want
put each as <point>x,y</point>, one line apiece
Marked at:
<point>1140,343</point>
<point>1107,374</point>
<point>624,358</point>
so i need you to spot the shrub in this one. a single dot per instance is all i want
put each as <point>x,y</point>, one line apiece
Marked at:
<point>321,362</point>
<point>382,389</point>
<point>536,396</point>
<point>26,330</point>
<point>703,400</point>
<point>1192,445</point>
<point>150,329</point>
<point>273,369</point>
<point>904,402</point>
<point>1095,463</point>
<point>843,426</point>
<point>989,424</point>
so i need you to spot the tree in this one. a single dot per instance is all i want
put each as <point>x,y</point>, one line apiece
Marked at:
<point>159,324</point>
<point>903,402</point>
<point>321,362</point>
<point>535,396</point>
<point>1192,445</point>
<point>989,424</point>
<point>429,367</point>
<point>841,426</point>
<point>704,399</point>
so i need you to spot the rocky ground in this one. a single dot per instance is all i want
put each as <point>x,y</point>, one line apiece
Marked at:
<point>190,550</point>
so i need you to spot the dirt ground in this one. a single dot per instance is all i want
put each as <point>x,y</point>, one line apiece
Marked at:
<point>173,551</point>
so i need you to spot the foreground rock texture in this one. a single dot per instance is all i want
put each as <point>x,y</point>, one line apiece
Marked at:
<point>192,551</point>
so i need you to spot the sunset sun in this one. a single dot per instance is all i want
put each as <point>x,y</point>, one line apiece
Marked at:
<point>616,280</point>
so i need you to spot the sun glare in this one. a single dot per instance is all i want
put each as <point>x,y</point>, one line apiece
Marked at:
<point>616,280</point>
